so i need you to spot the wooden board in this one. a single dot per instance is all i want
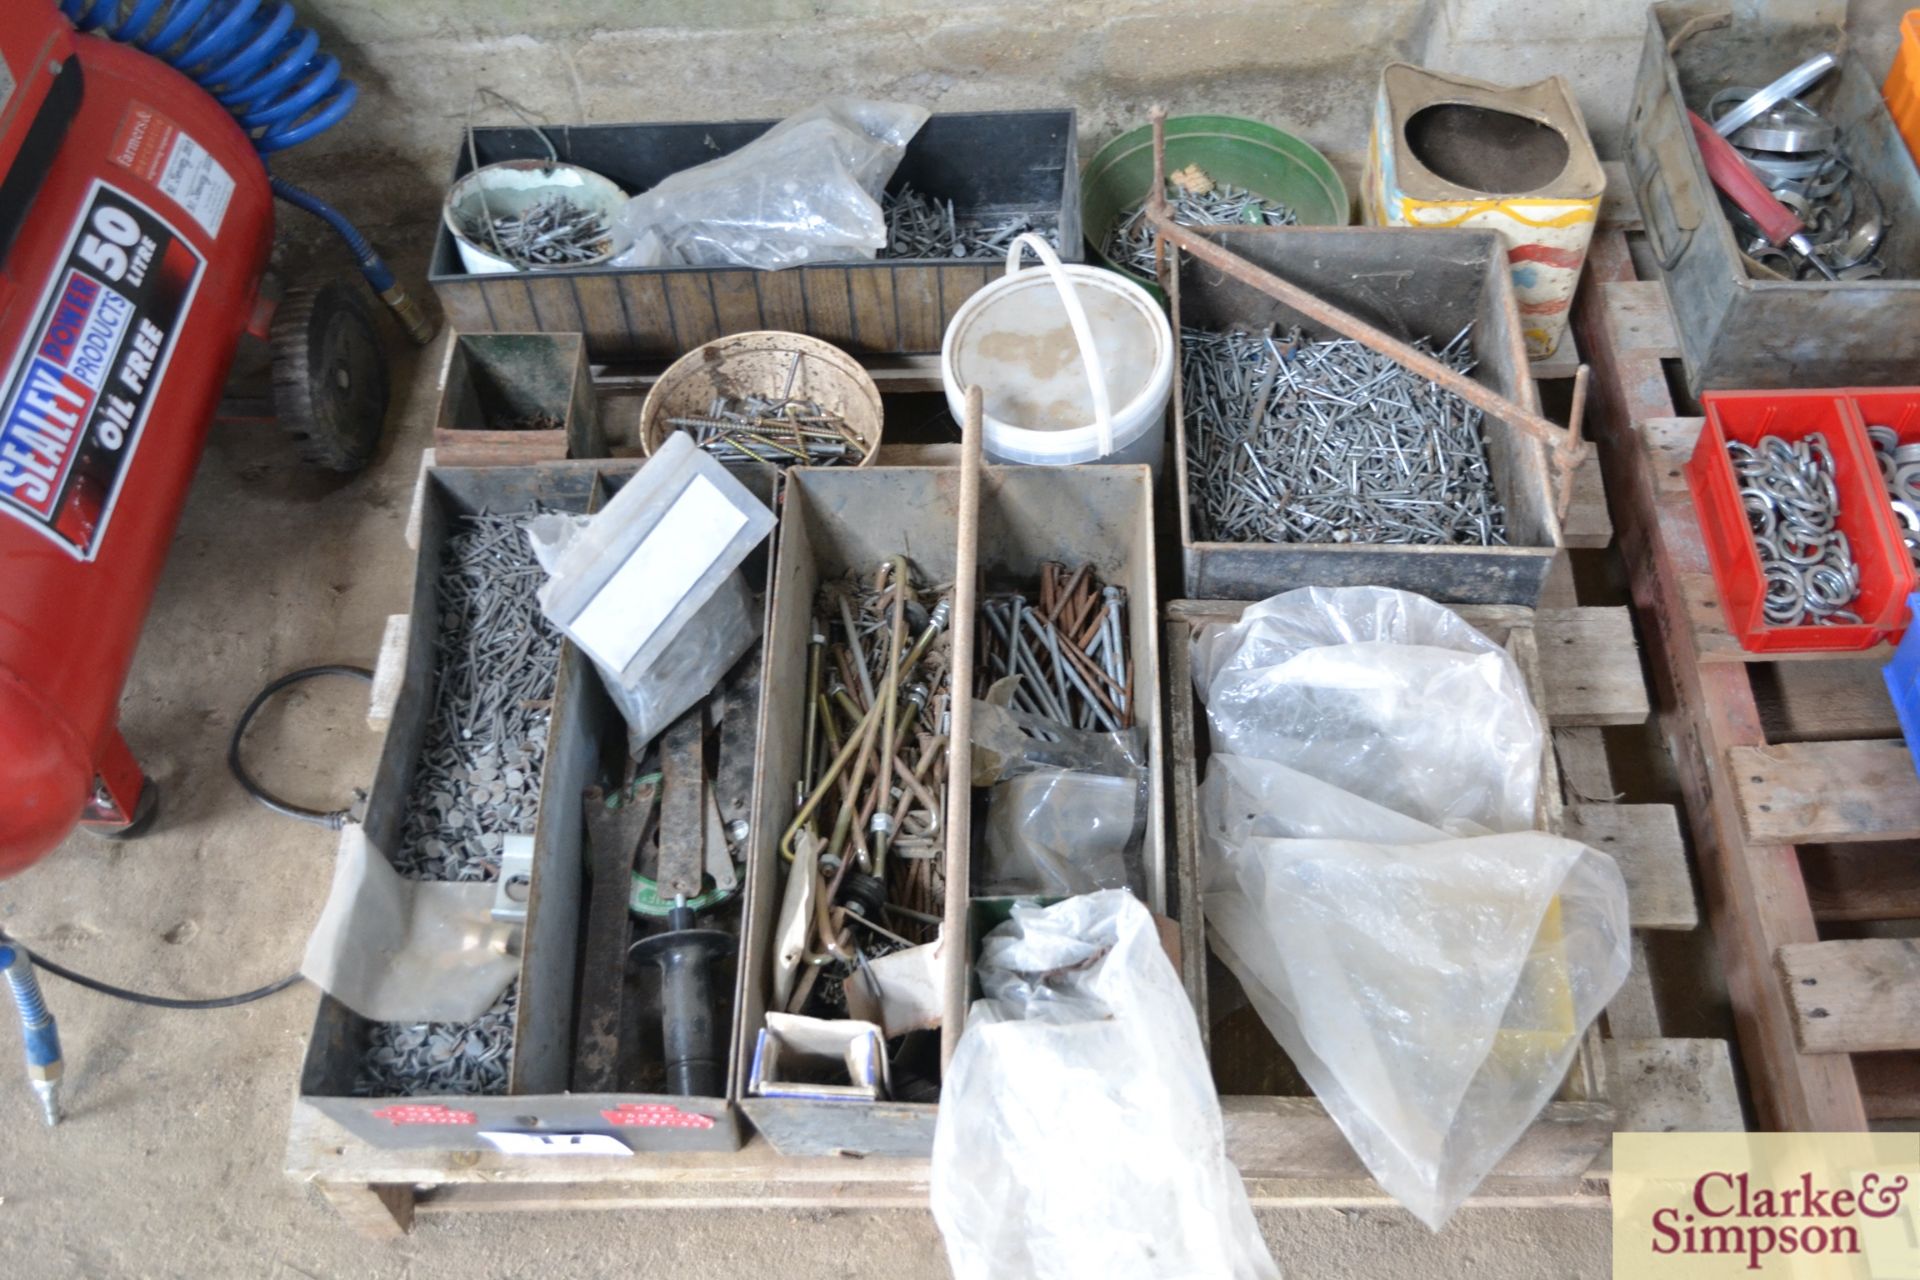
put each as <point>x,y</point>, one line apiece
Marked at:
<point>1855,996</point>
<point>1587,522</point>
<point>1645,840</point>
<point>1642,322</point>
<point>1827,792</point>
<point>1618,207</point>
<point>1842,697</point>
<point>1289,1152</point>
<point>1591,666</point>
<point>1675,1086</point>
<point>1584,768</point>
<point>1755,898</point>
<point>1873,880</point>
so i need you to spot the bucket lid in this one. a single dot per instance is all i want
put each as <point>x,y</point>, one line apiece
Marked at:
<point>1019,349</point>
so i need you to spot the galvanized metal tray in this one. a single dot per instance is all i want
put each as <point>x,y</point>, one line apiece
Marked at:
<point>1413,284</point>
<point>1736,331</point>
<point>836,520</point>
<point>987,162</point>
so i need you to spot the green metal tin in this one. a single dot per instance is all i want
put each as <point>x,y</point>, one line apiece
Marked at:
<point>1244,153</point>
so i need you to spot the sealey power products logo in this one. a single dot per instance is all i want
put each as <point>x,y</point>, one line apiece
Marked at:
<point>76,399</point>
<point>1786,1205</point>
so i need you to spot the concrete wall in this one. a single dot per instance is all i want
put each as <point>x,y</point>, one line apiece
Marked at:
<point>1309,66</point>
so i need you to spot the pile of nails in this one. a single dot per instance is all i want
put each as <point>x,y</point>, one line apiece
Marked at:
<point>418,1059</point>
<point>1331,442</point>
<point>476,782</point>
<point>1070,653</point>
<point>478,775</point>
<point>874,805</point>
<point>1130,243</point>
<point>1900,472</point>
<point>552,232</point>
<point>780,431</point>
<point>921,227</point>
<point>1793,509</point>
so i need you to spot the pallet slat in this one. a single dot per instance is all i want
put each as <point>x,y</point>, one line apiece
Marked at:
<point>1642,321</point>
<point>1645,840</point>
<point>1843,697</point>
<point>1591,666</point>
<point>1755,897</point>
<point>1857,996</point>
<point>1586,523</point>
<point>1868,881</point>
<point>1827,792</point>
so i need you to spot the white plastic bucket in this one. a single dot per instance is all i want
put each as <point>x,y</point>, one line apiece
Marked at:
<point>1075,364</point>
<point>514,185</point>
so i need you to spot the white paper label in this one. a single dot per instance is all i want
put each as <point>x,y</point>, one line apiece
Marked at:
<point>197,183</point>
<point>555,1144</point>
<point>636,600</point>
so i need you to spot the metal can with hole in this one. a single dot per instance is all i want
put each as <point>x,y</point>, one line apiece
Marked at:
<point>1449,151</point>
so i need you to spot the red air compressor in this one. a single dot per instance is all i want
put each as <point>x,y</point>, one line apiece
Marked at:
<point>136,217</point>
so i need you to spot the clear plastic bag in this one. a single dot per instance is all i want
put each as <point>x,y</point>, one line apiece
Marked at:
<point>1008,742</point>
<point>806,190</point>
<point>1079,1133</point>
<point>1382,693</point>
<point>1432,990</point>
<point>650,588</point>
<point>1056,832</point>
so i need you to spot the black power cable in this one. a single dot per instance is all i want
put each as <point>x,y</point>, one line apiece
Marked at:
<point>332,819</point>
<point>141,997</point>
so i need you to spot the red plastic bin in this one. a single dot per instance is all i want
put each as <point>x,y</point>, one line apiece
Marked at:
<point>1886,573</point>
<point>1896,407</point>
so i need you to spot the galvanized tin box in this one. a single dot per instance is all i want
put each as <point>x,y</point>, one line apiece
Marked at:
<point>836,520</point>
<point>584,725</point>
<point>989,163</point>
<point>1736,331</point>
<point>1413,284</point>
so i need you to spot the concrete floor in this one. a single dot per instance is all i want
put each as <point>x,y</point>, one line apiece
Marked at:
<point>170,1163</point>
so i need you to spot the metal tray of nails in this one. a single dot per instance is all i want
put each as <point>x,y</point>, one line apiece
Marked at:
<point>989,168</point>
<point>474,676</point>
<point>441,806</point>
<point>1415,284</point>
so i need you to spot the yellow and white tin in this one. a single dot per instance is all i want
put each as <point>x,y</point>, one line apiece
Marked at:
<point>1448,151</point>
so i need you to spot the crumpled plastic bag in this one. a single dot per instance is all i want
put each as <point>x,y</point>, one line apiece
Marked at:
<point>1057,832</point>
<point>1079,1133</point>
<point>1432,990</point>
<point>806,190</point>
<point>1428,962</point>
<point>1383,693</point>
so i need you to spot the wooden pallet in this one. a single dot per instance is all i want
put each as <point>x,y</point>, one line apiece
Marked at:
<point>1803,802</point>
<point>1288,1150</point>
<point>1591,679</point>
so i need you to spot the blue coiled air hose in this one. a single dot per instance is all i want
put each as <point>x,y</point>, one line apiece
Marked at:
<point>270,74</point>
